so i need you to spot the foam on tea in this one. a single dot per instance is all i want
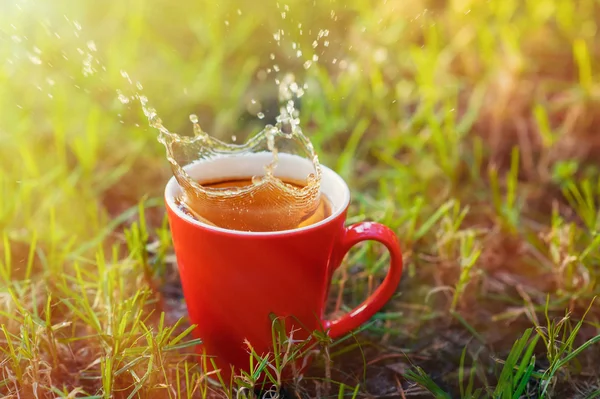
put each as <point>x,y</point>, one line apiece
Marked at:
<point>263,202</point>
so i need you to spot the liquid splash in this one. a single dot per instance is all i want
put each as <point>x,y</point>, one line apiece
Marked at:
<point>289,205</point>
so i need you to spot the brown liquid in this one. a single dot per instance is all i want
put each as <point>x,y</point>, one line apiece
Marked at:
<point>266,211</point>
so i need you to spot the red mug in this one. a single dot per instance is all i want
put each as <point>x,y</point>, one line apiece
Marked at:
<point>235,281</point>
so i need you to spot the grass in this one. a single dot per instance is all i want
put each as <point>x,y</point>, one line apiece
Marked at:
<point>468,127</point>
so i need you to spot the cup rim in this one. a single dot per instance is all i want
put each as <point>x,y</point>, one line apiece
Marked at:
<point>328,178</point>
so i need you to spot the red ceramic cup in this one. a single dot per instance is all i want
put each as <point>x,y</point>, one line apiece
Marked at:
<point>234,281</point>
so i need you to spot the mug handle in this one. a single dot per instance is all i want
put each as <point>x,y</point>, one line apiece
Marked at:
<point>354,234</point>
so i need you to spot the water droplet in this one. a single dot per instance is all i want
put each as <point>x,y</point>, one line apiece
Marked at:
<point>326,43</point>
<point>80,51</point>
<point>50,96</point>
<point>315,58</point>
<point>35,59</point>
<point>37,50</point>
<point>323,33</point>
<point>50,81</point>
<point>139,86</point>
<point>124,99</point>
<point>16,39</point>
<point>91,45</point>
<point>227,23</point>
<point>334,61</point>
<point>298,53</point>
<point>77,25</point>
<point>126,76</point>
<point>57,35</point>
<point>272,56</point>
<point>260,115</point>
<point>234,138</point>
<point>87,65</point>
<point>307,64</point>
<point>239,11</point>
<point>283,14</point>
<point>315,44</point>
<point>253,101</point>
<point>276,68</point>
<point>194,118</point>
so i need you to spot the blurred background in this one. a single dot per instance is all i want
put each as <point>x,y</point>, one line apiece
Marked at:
<point>469,127</point>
